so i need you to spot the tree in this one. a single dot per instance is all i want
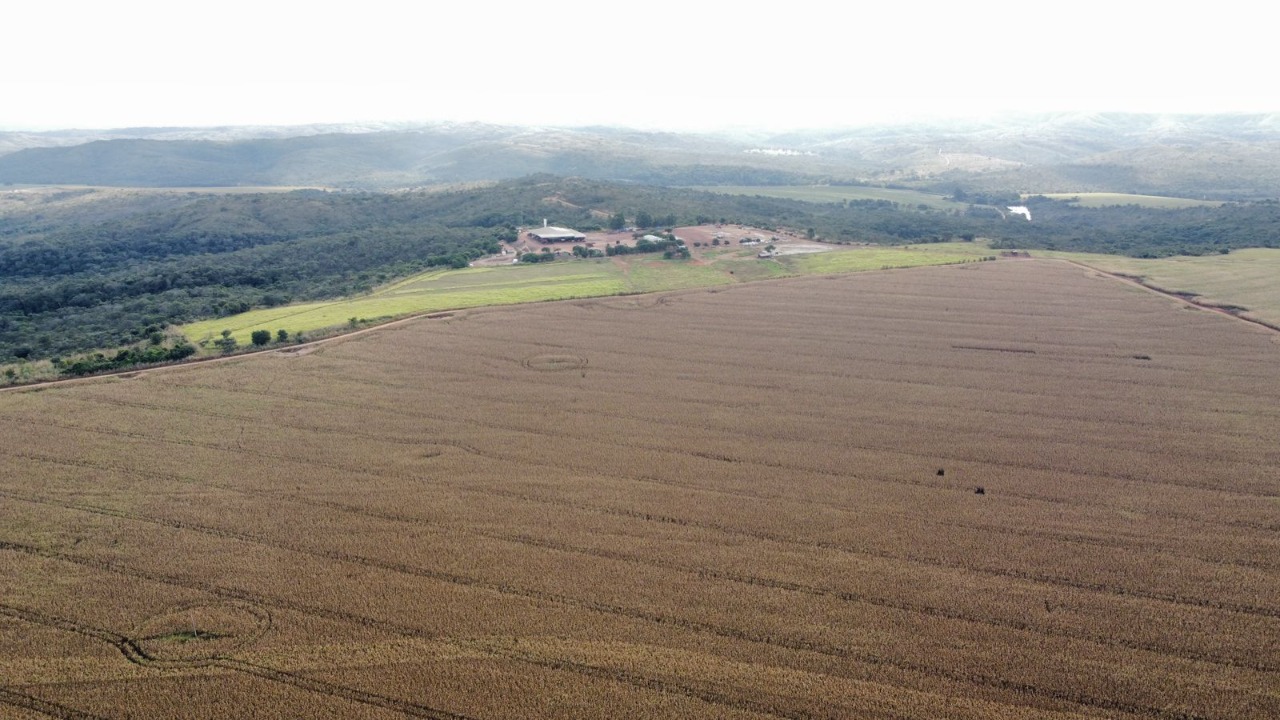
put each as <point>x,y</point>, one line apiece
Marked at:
<point>617,221</point>
<point>260,337</point>
<point>282,335</point>
<point>644,219</point>
<point>181,350</point>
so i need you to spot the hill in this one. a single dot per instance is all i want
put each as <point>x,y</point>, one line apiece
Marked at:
<point>1223,157</point>
<point>85,269</point>
<point>423,156</point>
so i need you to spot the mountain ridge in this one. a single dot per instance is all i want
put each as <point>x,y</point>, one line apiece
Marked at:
<point>1219,155</point>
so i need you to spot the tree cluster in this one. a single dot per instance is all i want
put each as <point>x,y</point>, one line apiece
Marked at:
<point>643,246</point>
<point>125,358</point>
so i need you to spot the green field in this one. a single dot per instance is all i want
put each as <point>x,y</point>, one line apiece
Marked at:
<point>505,285</point>
<point>836,193</point>
<point>1099,199</point>
<point>880,258</point>
<point>1244,278</point>
<point>437,290</point>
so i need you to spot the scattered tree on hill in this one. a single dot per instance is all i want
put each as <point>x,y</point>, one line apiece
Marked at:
<point>617,221</point>
<point>260,337</point>
<point>282,335</point>
<point>227,343</point>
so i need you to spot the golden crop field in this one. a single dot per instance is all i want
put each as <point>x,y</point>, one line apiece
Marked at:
<point>1012,489</point>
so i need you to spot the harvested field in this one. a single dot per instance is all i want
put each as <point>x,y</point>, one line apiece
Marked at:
<point>755,501</point>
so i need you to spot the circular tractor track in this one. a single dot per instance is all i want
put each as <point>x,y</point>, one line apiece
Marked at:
<point>554,362</point>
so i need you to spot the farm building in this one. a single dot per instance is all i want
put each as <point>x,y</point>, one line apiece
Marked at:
<point>551,234</point>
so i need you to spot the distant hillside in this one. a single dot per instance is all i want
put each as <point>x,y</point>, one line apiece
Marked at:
<point>334,159</point>
<point>434,155</point>
<point>1214,156</point>
<point>1217,170</point>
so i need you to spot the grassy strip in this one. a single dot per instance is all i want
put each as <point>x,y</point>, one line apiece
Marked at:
<point>1242,279</point>
<point>1102,199</point>
<point>874,259</point>
<point>836,193</point>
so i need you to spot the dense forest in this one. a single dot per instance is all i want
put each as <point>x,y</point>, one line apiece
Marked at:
<point>1143,232</point>
<point>90,269</point>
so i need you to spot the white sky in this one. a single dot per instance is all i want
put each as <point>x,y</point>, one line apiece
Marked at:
<point>680,65</point>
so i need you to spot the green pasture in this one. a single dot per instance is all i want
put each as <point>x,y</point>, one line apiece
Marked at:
<point>505,285</point>
<point>437,290</point>
<point>1244,278</point>
<point>875,259</point>
<point>1101,199</point>
<point>836,193</point>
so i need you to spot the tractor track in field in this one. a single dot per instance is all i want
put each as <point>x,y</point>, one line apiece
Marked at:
<point>701,572</point>
<point>961,677</point>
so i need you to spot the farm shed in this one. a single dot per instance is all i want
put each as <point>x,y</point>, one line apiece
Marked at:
<point>552,234</point>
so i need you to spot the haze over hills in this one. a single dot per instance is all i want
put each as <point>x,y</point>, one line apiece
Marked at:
<point>1218,156</point>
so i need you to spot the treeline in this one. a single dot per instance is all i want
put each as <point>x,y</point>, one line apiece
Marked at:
<point>125,358</point>
<point>78,283</point>
<point>1143,232</point>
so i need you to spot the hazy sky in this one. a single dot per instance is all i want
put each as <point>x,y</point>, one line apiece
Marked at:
<point>682,65</point>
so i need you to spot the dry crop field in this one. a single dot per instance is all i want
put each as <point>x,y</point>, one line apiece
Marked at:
<point>748,502</point>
